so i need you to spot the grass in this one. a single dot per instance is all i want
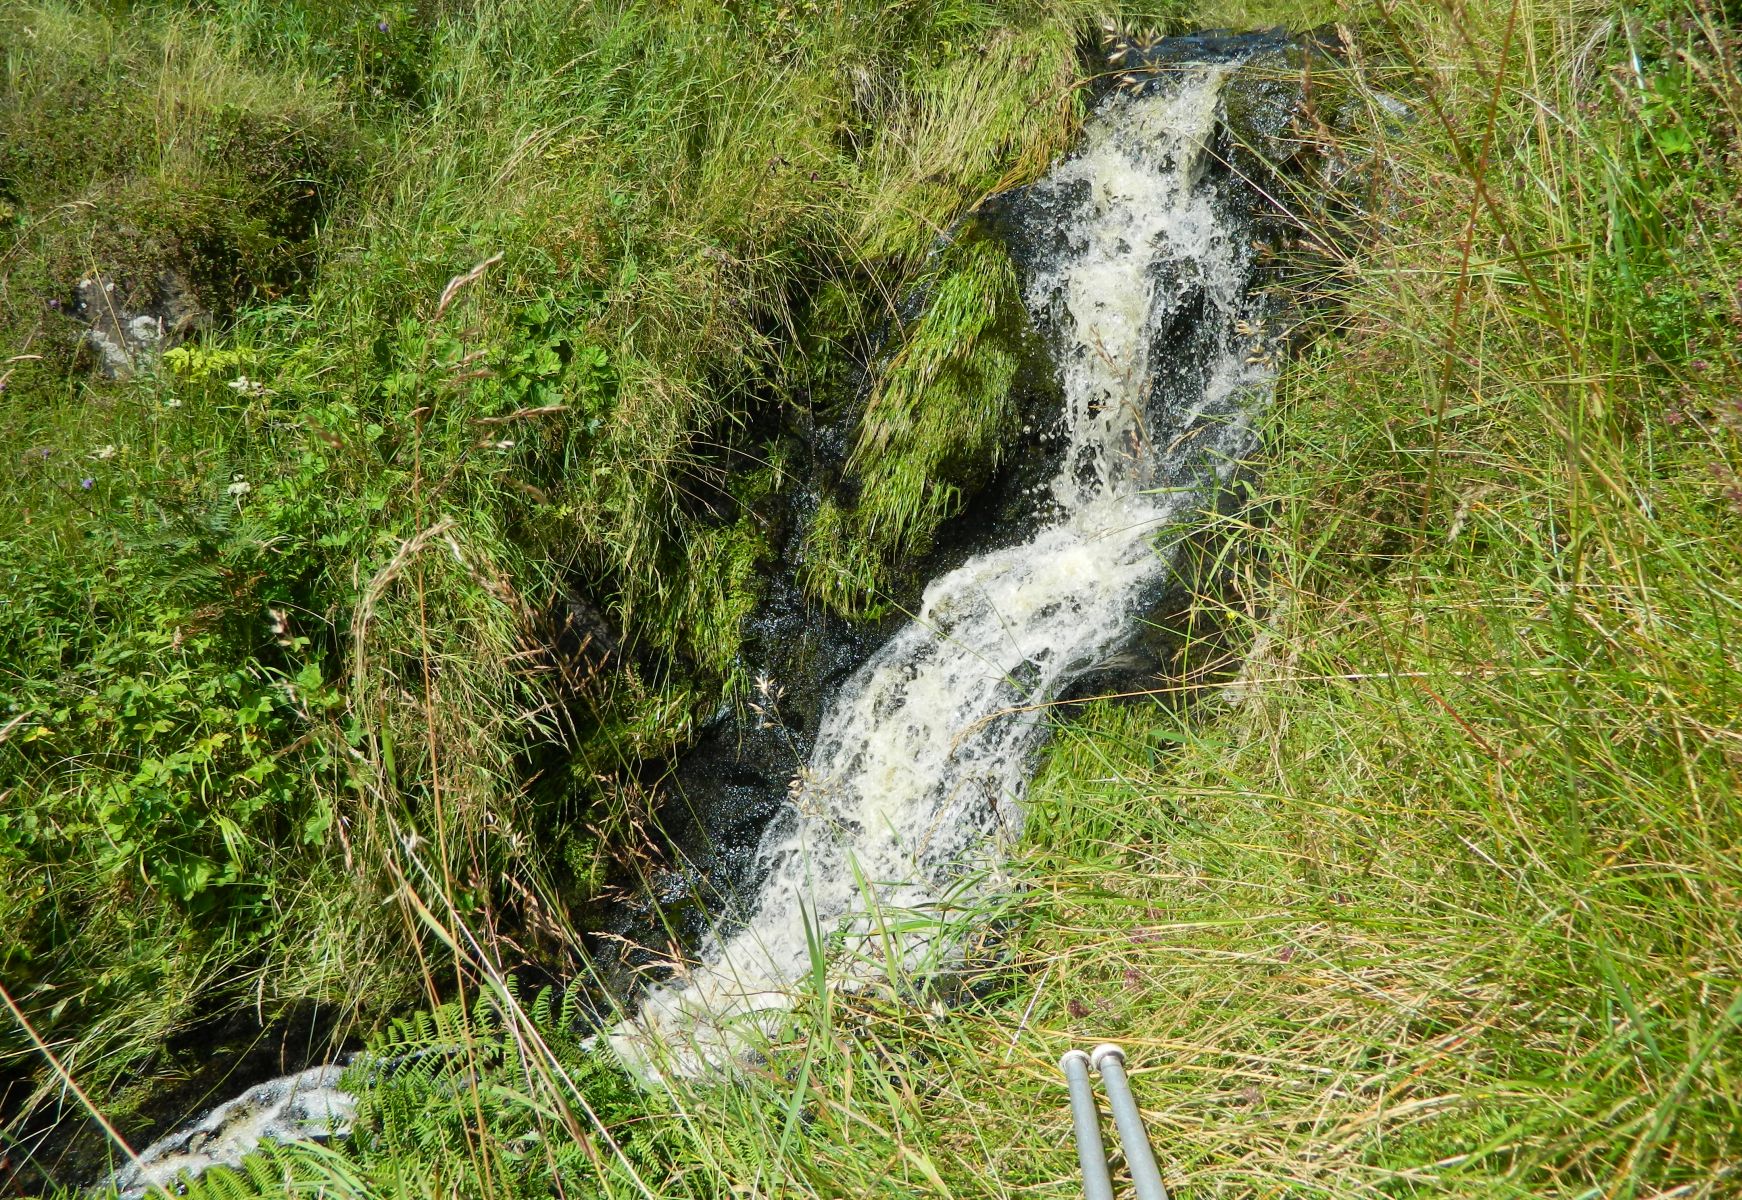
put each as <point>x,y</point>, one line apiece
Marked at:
<point>930,435</point>
<point>1418,879</point>
<point>274,610</point>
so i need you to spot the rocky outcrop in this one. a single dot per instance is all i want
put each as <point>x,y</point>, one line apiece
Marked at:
<point>124,335</point>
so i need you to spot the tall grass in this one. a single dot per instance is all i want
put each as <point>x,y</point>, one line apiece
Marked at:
<point>1430,886</point>
<point>1422,876</point>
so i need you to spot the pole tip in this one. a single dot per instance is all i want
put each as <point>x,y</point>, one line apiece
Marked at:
<point>1071,1056</point>
<point>1105,1051</point>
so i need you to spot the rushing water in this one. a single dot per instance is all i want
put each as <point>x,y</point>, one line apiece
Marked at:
<point>915,784</point>
<point>1136,266</point>
<point>307,1106</point>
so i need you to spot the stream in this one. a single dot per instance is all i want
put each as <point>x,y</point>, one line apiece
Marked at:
<point>914,789</point>
<point>1136,262</point>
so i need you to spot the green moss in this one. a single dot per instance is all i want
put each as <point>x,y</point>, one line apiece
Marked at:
<point>931,433</point>
<point>841,567</point>
<point>721,585</point>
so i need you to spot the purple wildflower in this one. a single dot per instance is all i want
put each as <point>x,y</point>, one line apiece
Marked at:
<point>87,483</point>
<point>381,25</point>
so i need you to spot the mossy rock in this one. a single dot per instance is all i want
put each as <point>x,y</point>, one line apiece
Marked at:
<point>937,416</point>
<point>179,253</point>
<point>233,231</point>
<point>141,236</point>
<point>57,141</point>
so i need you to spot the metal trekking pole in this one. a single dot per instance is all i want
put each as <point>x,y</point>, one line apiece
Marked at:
<point>1109,1060</point>
<point>1087,1119</point>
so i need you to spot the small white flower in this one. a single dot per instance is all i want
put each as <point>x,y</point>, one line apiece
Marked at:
<point>244,386</point>
<point>241,488</point>
<point>172,402</point>
<point>104,453</point>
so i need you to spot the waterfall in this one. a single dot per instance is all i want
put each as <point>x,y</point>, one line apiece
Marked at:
<point>914,789</point>
<point>1138,276</point>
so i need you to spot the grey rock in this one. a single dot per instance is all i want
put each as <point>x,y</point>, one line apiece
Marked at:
<point>123,339</point>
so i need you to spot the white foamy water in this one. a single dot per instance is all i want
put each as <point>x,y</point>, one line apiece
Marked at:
<point>914,789</point>
<point>307,1106</point>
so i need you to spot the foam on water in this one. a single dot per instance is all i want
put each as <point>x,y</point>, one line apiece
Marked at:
<point>914,788</point>
<point>306,1106</point>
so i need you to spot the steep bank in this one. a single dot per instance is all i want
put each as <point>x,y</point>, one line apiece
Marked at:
<point>486,342</point>
<point>915,787</point>
<point>1437,896</point>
